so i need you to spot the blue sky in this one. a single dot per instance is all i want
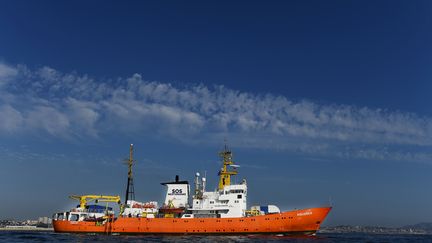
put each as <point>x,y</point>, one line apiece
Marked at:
<point>320,101</point>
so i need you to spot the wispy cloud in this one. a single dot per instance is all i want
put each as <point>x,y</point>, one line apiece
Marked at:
<point>6,72</point>
<point>70,105</point>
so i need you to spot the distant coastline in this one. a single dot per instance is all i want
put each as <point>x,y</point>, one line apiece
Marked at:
<point>41,224</point>
<point>421,228</point>
<point>25,228</point>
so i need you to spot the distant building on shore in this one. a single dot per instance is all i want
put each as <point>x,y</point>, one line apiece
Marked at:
<point>44,220</point>
<point>41,222</point>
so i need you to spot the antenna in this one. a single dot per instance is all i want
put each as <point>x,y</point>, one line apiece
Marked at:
<point>198,189</point>
<point>225,144</point>
<point>130,192</point>
<point>225,173</point>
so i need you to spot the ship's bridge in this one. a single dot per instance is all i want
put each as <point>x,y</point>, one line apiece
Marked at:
<point>241,188</point>
<point>230,202</point>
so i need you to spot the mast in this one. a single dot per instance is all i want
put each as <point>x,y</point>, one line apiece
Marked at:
<point>130,192</point>
<point>225,174</point>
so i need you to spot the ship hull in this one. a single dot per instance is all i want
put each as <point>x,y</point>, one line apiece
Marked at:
<point>305,221</point>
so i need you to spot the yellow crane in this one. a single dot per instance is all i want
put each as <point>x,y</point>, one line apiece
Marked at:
<point>84,199</point>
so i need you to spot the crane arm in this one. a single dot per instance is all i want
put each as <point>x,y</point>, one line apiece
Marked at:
<point>84,199</point>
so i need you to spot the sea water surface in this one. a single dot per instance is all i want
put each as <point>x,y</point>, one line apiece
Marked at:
<point>32,236</point>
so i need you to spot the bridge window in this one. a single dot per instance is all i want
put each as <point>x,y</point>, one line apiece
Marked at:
<point>74,217</point>
<point>60,216</point>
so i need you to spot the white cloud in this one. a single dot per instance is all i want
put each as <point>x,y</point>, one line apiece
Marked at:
<point>6,73</point>
<point>85,115</point>
<point>48,119</point>
<point>10,119</point>
<point>73,105</point>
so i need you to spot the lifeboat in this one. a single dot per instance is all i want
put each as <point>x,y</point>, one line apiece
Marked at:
<point>171,209</point>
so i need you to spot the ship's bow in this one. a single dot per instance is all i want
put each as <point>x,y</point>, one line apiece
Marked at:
<point>307,221</point>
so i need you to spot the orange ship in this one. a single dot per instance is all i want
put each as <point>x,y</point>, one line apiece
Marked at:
<point>221,211</point>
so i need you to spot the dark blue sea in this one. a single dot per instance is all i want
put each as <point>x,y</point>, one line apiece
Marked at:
<point>20,236</point>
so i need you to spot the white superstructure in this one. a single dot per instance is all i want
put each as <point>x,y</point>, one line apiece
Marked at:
<point>177,195</point>
<point>228,201</point>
